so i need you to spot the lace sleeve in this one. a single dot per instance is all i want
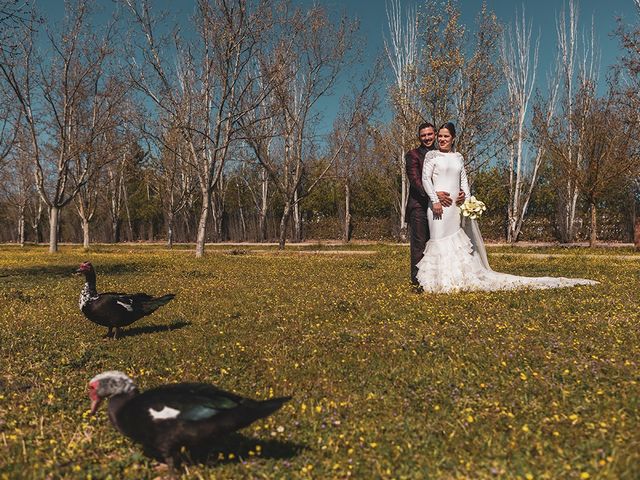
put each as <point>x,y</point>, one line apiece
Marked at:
<point>464,181</point>
<point>427,172</point>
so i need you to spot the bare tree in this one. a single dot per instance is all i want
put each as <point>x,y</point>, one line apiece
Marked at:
<point>310,72</point>
<point>519,64</point>
<point>567,44</point>
<point>609,148</point>
<point>100,115</point>
<point>460,78</point>
<point>256,180</point>
<point>50,94</point>
<point>14,15</point>
<point>402,51</point>
<point>17,179</point>
<point>261,125</point>
<point>577,68</point>
<point>10,122</point>
<point>176,179</point>
<point>356,150</point>
<point>628,68</point>
<point>628,74</point>
<point>17,185</point>
<point>205,87</point>
<point>115,191</point>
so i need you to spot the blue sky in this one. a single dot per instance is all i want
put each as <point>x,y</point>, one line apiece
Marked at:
<point>541,13</point>
<point>372,15</point>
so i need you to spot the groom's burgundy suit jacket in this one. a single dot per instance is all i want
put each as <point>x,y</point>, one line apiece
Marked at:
<point>413,161</point>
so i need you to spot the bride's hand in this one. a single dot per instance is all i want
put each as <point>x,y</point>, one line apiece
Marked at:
<point>437,210</point>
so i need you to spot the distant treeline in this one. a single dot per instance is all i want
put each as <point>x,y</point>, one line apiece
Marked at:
<point>123,128</point>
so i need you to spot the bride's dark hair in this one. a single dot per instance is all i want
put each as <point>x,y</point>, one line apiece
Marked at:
<point>449,126</point>
<point>452,130</point>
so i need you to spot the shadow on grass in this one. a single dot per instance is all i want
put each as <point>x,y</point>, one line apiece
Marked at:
<point>67,270</point>
<point>236,448</point>
<point>16,385</point>
<point>135,331</point>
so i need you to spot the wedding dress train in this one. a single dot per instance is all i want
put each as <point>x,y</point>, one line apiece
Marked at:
<point>455,258</point>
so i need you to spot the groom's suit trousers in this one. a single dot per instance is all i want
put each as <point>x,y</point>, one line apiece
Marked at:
<point>418,236</point>
<point>416,213</point>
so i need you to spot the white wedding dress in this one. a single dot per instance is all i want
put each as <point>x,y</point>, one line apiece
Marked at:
<point>455,258</point>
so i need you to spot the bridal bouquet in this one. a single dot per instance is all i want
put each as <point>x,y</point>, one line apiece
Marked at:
<point>472,207</point>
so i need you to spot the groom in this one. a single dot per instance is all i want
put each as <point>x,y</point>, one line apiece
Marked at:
<point>417,204</point>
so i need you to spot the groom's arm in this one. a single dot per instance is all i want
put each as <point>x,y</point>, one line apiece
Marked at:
<point>414,172</point>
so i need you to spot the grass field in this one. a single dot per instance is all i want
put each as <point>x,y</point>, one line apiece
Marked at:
<point>386,383</point>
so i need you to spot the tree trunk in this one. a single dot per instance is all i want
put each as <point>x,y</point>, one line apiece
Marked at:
<point>510,206</point>
<point>572,215</point>
<point>115,229</point>
<point>21,222</point>
<point>117,192</point>
<point>202,224</point>
<point>36,221</point>
<point>54,213</point>
<point>85,233</point>
<point>170,221</point>
<point>243,226</point>
<point>217,213</point>
<point>594,232</point>
<point>262,226</point>
<point>347,213</point>
<point>284,221</point>
<point>186,225</point>
<point>567,213</point>
<point>35,226</point>
<point>262,214</point>
<point>631,216</point>
<point>297,219</point>
<point>215,217</point>
<point>126,206</point>
<point>404,196</point>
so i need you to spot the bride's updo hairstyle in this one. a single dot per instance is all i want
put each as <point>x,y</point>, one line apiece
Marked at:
<point>449,126</point>
<point>452,130</point>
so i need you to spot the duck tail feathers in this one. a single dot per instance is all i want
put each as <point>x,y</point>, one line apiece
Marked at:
<point>267,407</point>
<point>155,303</point>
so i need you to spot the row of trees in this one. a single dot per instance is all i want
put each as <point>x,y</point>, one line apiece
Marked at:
<point>131,128</point>
<point>587,142</point>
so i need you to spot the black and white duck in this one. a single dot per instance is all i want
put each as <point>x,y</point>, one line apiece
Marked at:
<point>115,310</point>
<point>169,417</point>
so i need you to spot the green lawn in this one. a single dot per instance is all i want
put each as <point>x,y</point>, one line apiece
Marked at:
<point>386,383</point>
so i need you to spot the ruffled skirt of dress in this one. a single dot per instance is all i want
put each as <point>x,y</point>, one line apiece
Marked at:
<point>450,265</point>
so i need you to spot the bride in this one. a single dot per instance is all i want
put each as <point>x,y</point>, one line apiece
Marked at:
<point>455,258</point>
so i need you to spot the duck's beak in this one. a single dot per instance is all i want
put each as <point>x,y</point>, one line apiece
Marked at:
<point>95,405</point>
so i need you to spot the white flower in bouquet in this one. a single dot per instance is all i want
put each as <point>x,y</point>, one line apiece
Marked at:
<point>472,207</point>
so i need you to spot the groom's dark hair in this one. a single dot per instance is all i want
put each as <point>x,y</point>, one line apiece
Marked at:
<point>426,125</point>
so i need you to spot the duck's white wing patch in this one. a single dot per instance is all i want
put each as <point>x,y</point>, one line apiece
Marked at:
<point>164,414</point>
<point>127,306</point>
